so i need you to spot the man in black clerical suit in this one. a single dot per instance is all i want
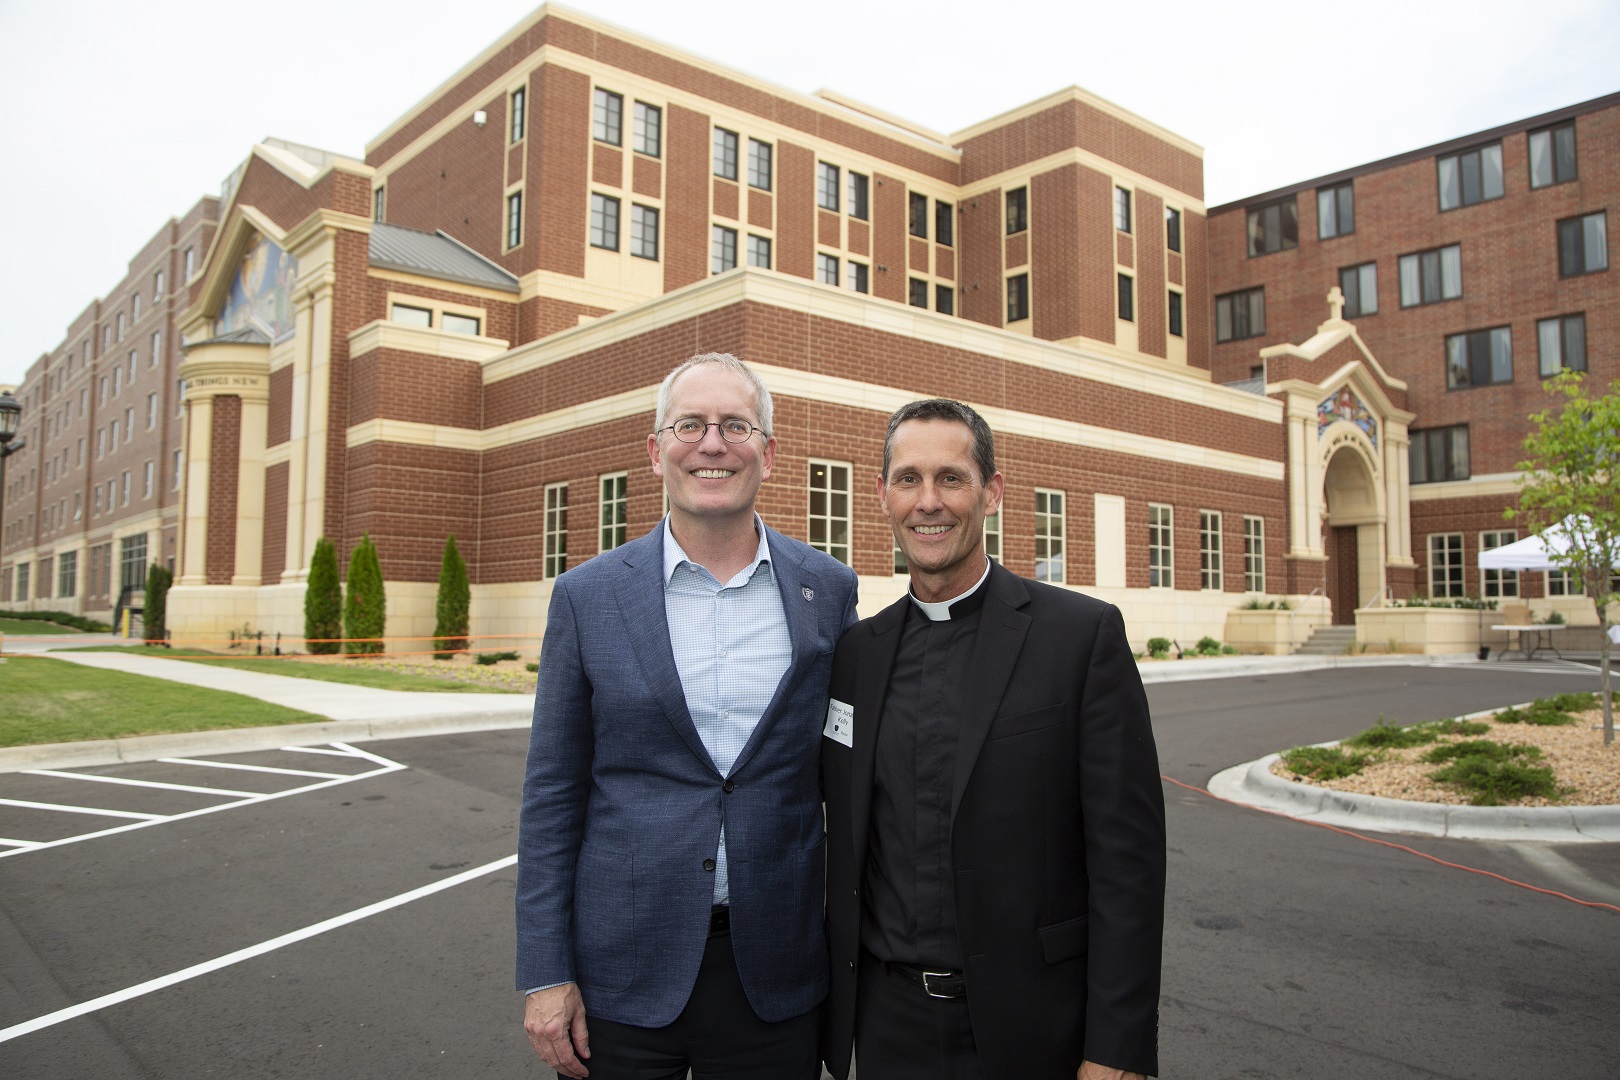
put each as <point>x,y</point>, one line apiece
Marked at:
<point>995,824</point>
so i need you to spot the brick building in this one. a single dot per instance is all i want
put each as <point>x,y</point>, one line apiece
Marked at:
<point>464,333</point>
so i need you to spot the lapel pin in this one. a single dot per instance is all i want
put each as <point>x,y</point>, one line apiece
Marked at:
<point>809,593</point>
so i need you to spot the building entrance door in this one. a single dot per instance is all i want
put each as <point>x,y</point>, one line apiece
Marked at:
<point>1343,576</point>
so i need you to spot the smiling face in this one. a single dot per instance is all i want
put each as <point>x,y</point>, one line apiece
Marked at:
<point>711,480</point>
<point>936,503</point>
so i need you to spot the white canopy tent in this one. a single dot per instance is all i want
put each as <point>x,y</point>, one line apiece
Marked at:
<point>1534,552</point>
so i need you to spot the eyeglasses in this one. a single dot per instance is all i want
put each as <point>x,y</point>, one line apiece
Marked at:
<point>690,429</point>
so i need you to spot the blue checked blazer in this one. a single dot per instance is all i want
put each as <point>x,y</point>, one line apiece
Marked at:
<point>622,804</point>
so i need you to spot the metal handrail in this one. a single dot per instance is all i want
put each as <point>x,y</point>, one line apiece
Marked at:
<point>1318,591</point>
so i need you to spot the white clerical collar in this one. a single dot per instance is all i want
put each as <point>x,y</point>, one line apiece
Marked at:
<point>940,611</point>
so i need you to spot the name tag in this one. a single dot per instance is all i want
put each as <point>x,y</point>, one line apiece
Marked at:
<point>840,727</point>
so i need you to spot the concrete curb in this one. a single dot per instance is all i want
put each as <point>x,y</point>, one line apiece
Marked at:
<point>1238,667</point>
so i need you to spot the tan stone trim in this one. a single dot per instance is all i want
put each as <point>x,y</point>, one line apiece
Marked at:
<point>1020,176</point>
<point>602,410</point>
<point>304,172</point>
<point>1084,97</point>
<point>1329,334</point>
<point>220,261</point>
<point>440,285</point>
<point>383,334</point>
<point>227,369</point>
<point>278,454</point>
<point>319,222</point>
<point>871,112</point>
<point>1486,484</point>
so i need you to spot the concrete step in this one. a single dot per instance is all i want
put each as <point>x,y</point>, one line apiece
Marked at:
<point>1329,641</point>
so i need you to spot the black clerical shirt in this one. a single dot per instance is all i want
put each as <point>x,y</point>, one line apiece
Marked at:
<point>909,909</point>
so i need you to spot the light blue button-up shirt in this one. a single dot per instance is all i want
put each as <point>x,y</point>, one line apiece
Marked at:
<point>731,649</point>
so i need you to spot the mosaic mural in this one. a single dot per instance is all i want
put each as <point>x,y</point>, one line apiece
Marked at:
<point>261,293</point>
<point>1343,404</point>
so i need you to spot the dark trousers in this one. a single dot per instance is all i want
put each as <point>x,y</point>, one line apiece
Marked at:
<point>903,1034</point>
<point>717,1035</point>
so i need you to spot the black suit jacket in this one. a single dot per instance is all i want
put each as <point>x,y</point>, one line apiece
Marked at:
<point>1057,835</point>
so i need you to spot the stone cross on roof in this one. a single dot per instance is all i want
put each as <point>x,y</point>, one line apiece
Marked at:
<point>1335,300</point>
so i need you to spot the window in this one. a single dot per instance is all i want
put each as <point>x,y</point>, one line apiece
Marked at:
<point>1049,561</point>
<point>919,215</point>
<point>1562,583</point>
<point>1175,313</point>
<point>451,323</point>
<point>1562,342</point>
<point>67,573</point>
<point>1479,358</point>
<point>901,564</point>
<point>944,223</point>
<point>759,251</point>
<point>157,348</point>
<point>1161,547</point>
<point>157,294</point>
<point>759,164</point>
<point>95,501</point>
<point>1552,155</point>
<point>1017,297</point>
<point>643,231</point>
<point>607,118</point>
<point>1470,177</point>
<point>514,219</point>
<point>151,411</point>
<point>1445,564</point>
<point>944,299</point>
<point>827,187</point>
<point>1359,285</point>
<point>615,510</point>
<point>1274,227</point>
<point>827,269</point>
<point>856,276</point>
<point>1172,229</point>
<point>1017,210</point>
<point>1254,554</point>
<point>722,249</point>
<point>515,130</point>
<point>125,487</point>
<point>725,154</point>
<point>1583,245</point>
<point>918,292</point>
<point>101,443</point>
<point>120,326</point>
<point>858,189</point>
<point>410,316</point>
<point>132,562</point>
<point>1335,211</point>
<point>135,308</point>
<point>1439,454</point>
<point>1428,277</point>
<point>174,473</point>
<point>1209,550</point>
<point>992,536</point>
<point>556,551</point>
<point>1127,297</point>
<point>1494,584</point>
<point>22,580</point>
<point>1122,209</point>
<point>1240,314</point>
<point>112,441</point>
<point>829,509</point>
<point>146,481</point>
<point>191,262</point>
<point>647,135</point>
<point>605,222</point>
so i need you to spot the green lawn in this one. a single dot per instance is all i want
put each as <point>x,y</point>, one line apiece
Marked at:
<point>47,701</point>
<point>353,672</point>
<point>32,627</point>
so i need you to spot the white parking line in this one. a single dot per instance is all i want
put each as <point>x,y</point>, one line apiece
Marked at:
<point>141,783</point>
<point>26,805</point>
<point>247,768</point>
<point>140,990</point>
<point>8,842</point>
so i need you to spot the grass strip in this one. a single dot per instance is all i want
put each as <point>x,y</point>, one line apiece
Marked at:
<point>356,672</point>
<point>32,627</point>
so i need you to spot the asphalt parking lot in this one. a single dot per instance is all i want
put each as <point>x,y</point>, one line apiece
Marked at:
<point>357,923</point>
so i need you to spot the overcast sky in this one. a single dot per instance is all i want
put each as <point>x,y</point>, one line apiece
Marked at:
<point>116,116</point>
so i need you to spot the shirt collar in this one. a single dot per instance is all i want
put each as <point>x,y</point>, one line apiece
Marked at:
<point>674,556</point>
<point>940,611</point>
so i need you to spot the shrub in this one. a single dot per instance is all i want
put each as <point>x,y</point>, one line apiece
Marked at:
<point>1386,736</point>
<point>451,615</point>
<point>323,601</point>
<point>60,618</point>
<point>365,611</point>
<point>1207,646</point>
<point>155,608</point>
<point>1554,618</point>
<point>1158,647</point>
<point>1324,762</point>
<point>1570,702</point>
<point>1456,727</point>
<point>531,668</point>
<point>1545,712</point>
<point>487,658</point>
<point>1491,772</point>
<point>1229,650</point>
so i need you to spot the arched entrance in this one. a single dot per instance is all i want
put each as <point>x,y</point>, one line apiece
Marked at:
<point>1354,533</point>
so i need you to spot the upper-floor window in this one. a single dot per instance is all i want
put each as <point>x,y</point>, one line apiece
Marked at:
<point>919,215</point>
<point>722,249</point>
<point>859,186</point>
<point>120,326</point>
<point>1173,298</point>
<point>514,219</point>
<point>1583,245</point>
<point>135,308</point>
<point>1017,297</point>
<point>827,269</point>
<point>759,164</point>
<point>1479,358</point>
<point>1127,297</point>
<point>945,299</point>
<point>826,186</point>
<point>1470,177</point>
<point>451,323</point>
<point>1172,229</point>
<point>1274,226</point>
<point>856,276</point>
<point>647,130</point>
<point>378,203</point>
<point>1427,277</point>
<point>918,292</point>
<point>759,251</point>
<point>157,285</point>
<point>515,130</point>
<point>605,222</point>
<point>944,223</point>
<point>1017,210</point>
<point>1122,209</point>
<point>725,154</point>
<point>1335,211</point>
<point>607,117</point>
<point>1552,155</point>
<point>1359,284</point>
<point>1562,343</point>
<point>157,347</point>
<point>407,315</point>
<point>1240,314</point>
<point>643,231</point>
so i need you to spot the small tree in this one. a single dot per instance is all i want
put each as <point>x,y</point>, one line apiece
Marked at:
<point>365,610</point>
<point>1571,475</point>
<point>154,612</point>
<point>454,604</point>
<point>323,600</point>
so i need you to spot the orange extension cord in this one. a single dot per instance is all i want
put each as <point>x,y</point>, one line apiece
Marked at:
<point>1397,847</point>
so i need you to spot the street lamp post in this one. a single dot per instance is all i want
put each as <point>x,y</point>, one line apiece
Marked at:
<point>10,412</point>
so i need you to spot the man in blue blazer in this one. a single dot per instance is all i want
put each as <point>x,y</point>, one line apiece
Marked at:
<point>670,847</point>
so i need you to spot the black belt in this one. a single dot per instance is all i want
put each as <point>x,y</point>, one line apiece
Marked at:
<point>937,984</point>
<point>719,920</point>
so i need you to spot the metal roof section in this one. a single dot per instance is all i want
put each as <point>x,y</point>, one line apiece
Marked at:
<point>247,335</point>
<point>436,255</point>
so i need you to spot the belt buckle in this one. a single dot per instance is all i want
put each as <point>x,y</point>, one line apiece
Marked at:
<point>930,990</point>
